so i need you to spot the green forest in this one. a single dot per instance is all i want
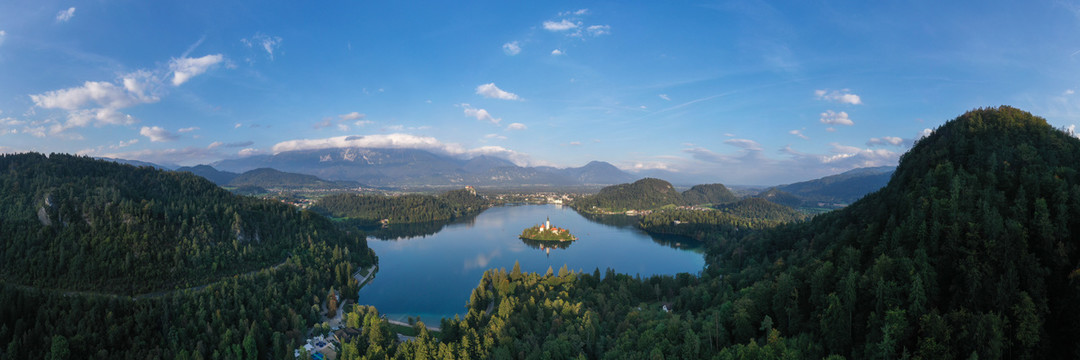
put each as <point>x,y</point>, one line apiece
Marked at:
<point>102,260</point>
<point>410,208</point>
<point>969,252</point>
<point>647,193</point>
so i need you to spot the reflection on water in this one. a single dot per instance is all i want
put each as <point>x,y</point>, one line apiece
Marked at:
<point>411,230</point>
<point>546,246</point>
<point>429,270</point>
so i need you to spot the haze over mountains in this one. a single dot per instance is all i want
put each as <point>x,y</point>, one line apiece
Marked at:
<point>413,167</point>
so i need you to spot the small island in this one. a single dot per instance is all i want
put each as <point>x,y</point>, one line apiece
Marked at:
<point>546,232</point>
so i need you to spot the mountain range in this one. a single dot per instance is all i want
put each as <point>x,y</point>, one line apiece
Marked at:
<point>414,167</point>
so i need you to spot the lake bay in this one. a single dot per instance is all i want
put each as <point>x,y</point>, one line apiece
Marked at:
<point>431,272</point>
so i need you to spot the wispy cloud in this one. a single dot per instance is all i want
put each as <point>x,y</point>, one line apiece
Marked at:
<point>799,134</point>
<point>495,136</point>
<point>885,140</point>
<point>218,144</point>
<point>65,15</point>
<point>556,52</point>
<point>351,116</point>
<point>266,42</point>
<point>597,30</point>
<point>512,48</point>
<point>186,68</point>
<point>665,97</point>
<point>491,91</point>
<point>562,25</point>
<point>836,118</point>
<point>843,96</point>
<point>188,129</point>
<point>157,134</point>
<point>480,114</point>
<point>516,126</point>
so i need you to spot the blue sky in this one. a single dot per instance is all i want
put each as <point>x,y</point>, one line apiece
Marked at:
<point>742,92</point>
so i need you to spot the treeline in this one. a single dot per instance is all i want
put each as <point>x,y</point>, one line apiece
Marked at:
<point>412,208</point>
<point>75,223</point>
<point>725,222</point>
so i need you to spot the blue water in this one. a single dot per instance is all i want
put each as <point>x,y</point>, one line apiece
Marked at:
<point>432,276</point>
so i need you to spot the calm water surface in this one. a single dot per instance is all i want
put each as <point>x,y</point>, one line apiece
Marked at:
<point>431,274</point>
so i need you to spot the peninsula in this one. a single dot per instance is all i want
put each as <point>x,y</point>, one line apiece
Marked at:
<point>546,232</point>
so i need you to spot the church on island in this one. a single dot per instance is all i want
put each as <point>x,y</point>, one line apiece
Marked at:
<point>546,232</point>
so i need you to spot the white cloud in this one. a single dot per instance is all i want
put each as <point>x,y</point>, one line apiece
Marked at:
<point>491,91</point>
<point>799,134</point>
<point>401,141</point>
<point>268,43</point>
<point>836,118</point>
<point>3,34</point>
<point>512,48</point>
<point>363,123</point>
<point>98,103</point>
<point>65,15</point>
<point>575,143</point>
<point>480,114</point>
<point>924,133</point>
<point>188,129</point>
<point>237,126</point>
<point>516,126</point>
<point>1067,91</point>
<point>218,144</point>
<point>597,30</point>
<point>249,152</point>
<point>185,156</point>
<point>885,140</point>
<point>157,134</point>
<point>186,68</point>
<point>326,122</point>
<point>665,97</point>
<point>495,136</point>
<point>578,12</point>
<point>559,26</point>
<point>352,116</point>
<point>556,52</point>
<point>843,96</point>
<point>744,143</point>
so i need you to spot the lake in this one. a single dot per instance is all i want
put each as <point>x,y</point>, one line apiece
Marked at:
<point>429,270</point>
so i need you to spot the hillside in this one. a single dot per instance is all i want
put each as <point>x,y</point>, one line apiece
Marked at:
<point>969,252</point>
<point>708,194</point>
<point>270,178</point>
<point>403,209</point>
<point>781,197</point>
<point>643,194</point>
<point>221,178</point>
<point>843,188</point>
<point>100,260</point>
<point>969,249</point>
<point>82,224</point>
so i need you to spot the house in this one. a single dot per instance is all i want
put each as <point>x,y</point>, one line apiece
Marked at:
<point>345,335</point>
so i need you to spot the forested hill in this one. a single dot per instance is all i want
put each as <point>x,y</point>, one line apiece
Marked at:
<point>412,208</point>
<point>647,193</point>
<point>972,248</point>
<point>270,178</point>
<point>970,251</point>
<point>708,194</point>
<point>844,188</point>
<point>75,223</point>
